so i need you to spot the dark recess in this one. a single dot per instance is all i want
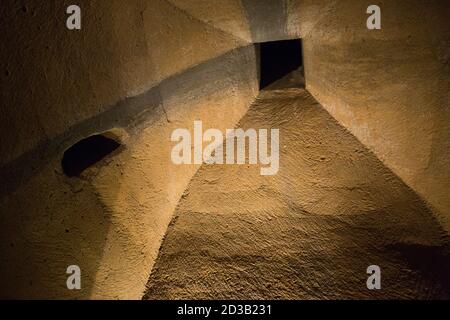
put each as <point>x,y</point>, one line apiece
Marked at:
<point>86,153</point>
<point>279,58</point>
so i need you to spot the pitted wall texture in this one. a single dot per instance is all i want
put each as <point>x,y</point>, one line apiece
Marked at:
<point>144,67</point>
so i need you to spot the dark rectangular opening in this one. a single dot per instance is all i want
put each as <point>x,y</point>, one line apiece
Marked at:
<point>278,59</point>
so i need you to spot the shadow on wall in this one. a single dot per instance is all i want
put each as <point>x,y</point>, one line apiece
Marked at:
<point>147,186</point>
<point>50,221</point>
<point>110,217</point>
<point>390,87</point>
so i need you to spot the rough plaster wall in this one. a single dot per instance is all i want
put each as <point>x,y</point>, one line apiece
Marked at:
<point>131,67</point>
<point>147,186</point>
<point>178,40</point>
<point>390,88</point>
<point>111,221</point>
<point>76,84</point>
<point>250,20</point>
<point>308,232</point>
<point>123,49</point>
<point>228,15</point>
<point>267,19</point>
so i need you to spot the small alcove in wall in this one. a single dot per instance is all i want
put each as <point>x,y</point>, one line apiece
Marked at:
<point>88,152</point>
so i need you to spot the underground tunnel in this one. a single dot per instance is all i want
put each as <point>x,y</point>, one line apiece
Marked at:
<point>279,59</point>
<point>98,99</point>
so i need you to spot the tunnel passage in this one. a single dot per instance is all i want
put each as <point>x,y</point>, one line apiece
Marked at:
<point>278,59</point>
<point>86,153</point>
<point>204,67</point>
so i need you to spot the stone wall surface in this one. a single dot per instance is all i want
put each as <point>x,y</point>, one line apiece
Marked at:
<point>139,69</point>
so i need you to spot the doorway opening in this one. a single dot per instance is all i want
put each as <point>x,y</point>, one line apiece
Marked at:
<point>278,59</point>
